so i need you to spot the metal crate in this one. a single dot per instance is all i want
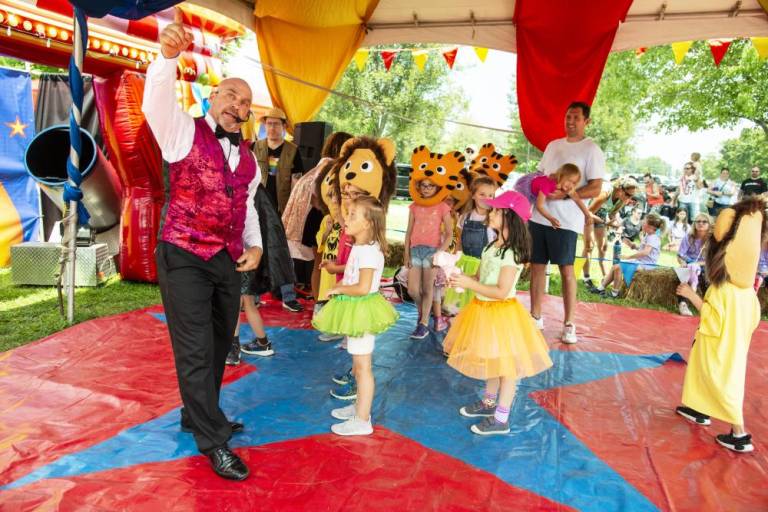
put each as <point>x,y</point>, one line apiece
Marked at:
<point>37,263</point>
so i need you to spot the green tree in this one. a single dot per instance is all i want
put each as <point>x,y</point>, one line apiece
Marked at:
<point>10,62</point>
<point>527,154</point>
<point>741,154</point>
<point>697,94</point>
<point>614,110</point>
<point>710,166</point>
<point>613,116</point>
<point>404,103</point>
<point>651,164</point>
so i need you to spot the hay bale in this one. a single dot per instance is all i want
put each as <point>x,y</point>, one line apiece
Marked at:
<point>395,254</point>
<point>656,286</point>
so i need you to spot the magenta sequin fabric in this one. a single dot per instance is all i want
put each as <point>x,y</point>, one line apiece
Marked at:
<point>207,202</point>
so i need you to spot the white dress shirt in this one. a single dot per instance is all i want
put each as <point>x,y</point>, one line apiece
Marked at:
<point>174,131</point>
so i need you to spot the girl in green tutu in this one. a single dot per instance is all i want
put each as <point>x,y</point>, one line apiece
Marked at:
<point>357,309</point>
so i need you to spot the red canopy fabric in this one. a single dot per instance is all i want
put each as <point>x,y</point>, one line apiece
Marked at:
<point>562,47</point>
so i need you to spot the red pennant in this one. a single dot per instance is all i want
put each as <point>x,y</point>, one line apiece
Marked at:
<point>388,58</point>
<point>718,48</point>
<point>450,57</point>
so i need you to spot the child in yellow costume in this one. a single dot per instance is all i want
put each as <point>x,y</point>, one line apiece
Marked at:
<point>730,313</point>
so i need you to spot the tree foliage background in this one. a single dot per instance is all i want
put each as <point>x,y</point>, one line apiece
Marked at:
<point>408,104</point>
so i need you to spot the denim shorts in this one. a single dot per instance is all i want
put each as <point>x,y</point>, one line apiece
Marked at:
<point>421,255</point>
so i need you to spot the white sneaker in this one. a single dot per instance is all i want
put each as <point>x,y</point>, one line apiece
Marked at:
<point>539,322</point>
<point>344,413</point>
<point>330,337</point>
<point>353,427</point>
<point>684,309</point>
<point>569,334</point>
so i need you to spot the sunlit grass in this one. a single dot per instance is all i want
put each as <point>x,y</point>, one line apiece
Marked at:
<point>28,313</point>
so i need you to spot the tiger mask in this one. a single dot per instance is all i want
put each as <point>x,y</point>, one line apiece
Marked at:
<point>496,166</point>
<point>444,170</point>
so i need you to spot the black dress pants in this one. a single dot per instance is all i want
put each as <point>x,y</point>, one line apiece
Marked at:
<point>202,303</point>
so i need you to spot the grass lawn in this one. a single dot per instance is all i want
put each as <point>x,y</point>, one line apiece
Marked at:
<point>28,313</point>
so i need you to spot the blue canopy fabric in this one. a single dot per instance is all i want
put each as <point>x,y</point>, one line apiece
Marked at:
<point>128,9</point>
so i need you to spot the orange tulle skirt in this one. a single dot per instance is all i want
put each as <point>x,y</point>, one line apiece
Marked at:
<point>490,339</point>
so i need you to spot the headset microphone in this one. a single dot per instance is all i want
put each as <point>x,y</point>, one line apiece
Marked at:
<point>240,119</point>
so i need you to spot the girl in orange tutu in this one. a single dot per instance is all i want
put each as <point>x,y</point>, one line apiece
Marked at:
<point>494,338</point>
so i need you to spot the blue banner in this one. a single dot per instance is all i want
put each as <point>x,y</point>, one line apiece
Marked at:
<point>129,9</point>
<point>19,197</point>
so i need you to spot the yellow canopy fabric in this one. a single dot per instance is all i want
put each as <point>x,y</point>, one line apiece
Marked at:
<point>307,39</point>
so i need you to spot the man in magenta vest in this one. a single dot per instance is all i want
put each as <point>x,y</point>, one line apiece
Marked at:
<point>210,234</point>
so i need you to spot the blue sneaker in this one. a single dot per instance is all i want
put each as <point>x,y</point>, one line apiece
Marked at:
<point>420,332</point>
<point>345,392</point>
<point>343,378</point>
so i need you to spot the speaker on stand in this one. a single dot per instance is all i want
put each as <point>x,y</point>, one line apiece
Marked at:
<point>310,137</point>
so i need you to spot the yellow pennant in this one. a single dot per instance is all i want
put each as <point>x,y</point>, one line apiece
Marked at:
<point>680,50</point>
<point>482,53</point>
<point>420,58</point>
<point>361,57</point>
<point>761,45</point>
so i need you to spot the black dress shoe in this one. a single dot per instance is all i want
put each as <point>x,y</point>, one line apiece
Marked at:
<point>235,426</point>
<point>227,464</point>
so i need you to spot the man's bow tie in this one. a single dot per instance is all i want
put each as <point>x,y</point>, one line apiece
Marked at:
<point>234,137</point>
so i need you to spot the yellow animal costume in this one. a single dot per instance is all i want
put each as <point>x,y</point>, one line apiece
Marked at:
<point>369,164</point>
<point>330,247</point>
<point>366,163</point>
<point>716,372</point>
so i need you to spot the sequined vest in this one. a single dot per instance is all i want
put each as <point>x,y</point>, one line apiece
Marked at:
<point>206,202</point>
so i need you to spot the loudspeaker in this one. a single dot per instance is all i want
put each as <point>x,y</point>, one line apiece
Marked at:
<point>310,137</point>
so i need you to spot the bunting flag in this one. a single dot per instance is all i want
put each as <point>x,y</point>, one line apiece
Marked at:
<point>628,270</point>
<point>420,58</point>
<point>719,47</point>
<point>680,50</point>
<point>450,57</point>
<point>481,53</point>
<point>761,45</point>
<point>361,57</point>
<point>388,57</point>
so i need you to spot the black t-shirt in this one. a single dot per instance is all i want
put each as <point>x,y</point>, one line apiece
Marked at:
<point>752,187</point>
<point>631,230</point>
<point>273,157</point>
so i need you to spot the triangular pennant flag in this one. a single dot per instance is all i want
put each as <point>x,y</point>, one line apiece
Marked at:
<point>450,57</point>
<point>761,45</point>
<point>388,58</point>
<point>628,269</point>
<point>361,57</point>
<point>680,50</point>
<point>718,47</point>
<point>420,58</point>
<point>482,53</point>
<point>640,51</point>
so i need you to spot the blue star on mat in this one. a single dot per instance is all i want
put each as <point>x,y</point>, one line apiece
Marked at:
<point>418,396</point>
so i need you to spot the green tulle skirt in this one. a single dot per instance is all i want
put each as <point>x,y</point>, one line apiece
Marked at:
<point>453,301</point>
<point>355,316</point>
